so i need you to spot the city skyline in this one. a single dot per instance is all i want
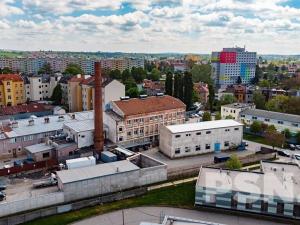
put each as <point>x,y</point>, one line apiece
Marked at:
<point>152,26</point>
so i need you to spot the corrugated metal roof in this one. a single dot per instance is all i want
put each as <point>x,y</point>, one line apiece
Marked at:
<point>188,127</point>
<point>91,172</point>
<point>272,115</point>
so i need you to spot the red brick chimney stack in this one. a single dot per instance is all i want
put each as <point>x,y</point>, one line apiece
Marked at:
<point>98,111</point>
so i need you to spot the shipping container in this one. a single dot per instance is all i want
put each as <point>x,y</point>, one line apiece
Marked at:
<point>81,162</point>
<point>107,156</point>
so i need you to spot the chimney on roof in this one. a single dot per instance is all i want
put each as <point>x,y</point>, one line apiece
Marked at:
<point>98,112</point>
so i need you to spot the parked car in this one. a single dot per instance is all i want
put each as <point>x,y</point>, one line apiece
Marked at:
<point>298,147</point>
<point>2,187</point>
<point>28,161</point>
<point>297,156</point>
<point>284,153</point>
<point>2,196</point>
<point>221,158</point>
<point>292,147</point>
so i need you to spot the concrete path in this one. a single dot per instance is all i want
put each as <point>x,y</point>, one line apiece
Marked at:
<point>135,216</point>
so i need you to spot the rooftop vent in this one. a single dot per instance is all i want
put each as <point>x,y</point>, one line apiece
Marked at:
<point>15,124</point>
<point>61,118</point>
<point>124,98</point>
<point>47,119</point>
<point>31,122</point>
<point>73,116</point>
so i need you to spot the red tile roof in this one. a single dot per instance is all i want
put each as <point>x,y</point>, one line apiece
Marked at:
<point>76,79</point>
<point>13,77</point>
<point>32,107</point>
<point>151,104</point>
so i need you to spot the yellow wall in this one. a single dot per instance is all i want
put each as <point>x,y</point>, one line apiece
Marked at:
<point>12,93</point>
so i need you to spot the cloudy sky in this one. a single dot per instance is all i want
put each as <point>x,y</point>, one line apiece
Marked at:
<point>197,26</point>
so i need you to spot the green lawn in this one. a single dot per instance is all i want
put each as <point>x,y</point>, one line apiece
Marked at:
<point>182,195</point>
<point>255,138</point>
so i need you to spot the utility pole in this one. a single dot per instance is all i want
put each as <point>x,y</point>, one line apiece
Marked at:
<point>123,217</point>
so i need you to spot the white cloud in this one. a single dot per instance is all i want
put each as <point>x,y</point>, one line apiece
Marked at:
<point>7,9</point>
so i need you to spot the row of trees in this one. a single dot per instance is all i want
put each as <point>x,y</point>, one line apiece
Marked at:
<point>5,70</point>
<point>280,103</point>
<point>180,86</point>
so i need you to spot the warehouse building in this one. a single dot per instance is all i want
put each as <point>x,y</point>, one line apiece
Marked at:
<point>86,182</point>
<point>275,190</point>
<point>198,138</point>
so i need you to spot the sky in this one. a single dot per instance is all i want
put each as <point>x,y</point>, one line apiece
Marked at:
<point>151,26</point>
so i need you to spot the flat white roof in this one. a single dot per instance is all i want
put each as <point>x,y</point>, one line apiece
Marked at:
<point>100,170</point>
<point>188,127</point>
<point>38,148</point>
<point>80,126</point>
<point>277,179</point>
<point>39,126</point>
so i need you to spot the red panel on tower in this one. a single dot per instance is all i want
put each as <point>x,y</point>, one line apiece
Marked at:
<point>228,57</point>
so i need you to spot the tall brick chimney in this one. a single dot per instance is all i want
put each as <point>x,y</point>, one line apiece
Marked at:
<point>98,111</point>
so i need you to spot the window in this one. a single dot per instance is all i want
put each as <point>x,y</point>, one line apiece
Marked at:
<point>177,136</point>
<point>187,135</point>
<point>187,149</point>
<point>296,211</point>
<point>8,83</point>
<point>248,203</point>
<point>207,146</point>
<point>136,132</point>
<point>128,122</point>
<point>280,122</point>
<point>236,128</point>
<point>234,202</point>
<point>226,143</point>
<point>198,133</point>
<point>129,133</point>
<point>295,124</point>
<point>46,155</point>
<point>254,117</point>
<point>280,208</point>
<point>177,150</point>
<point>208,132</point>
<point>120,138</point>
<point>9,97</point>
<point>198,148</point>
<point>120,129</point>
<point>226,130</point>
<point>8,90</point>
<point>264,206</point>
<point>267,120</point>
<point>210,198</point>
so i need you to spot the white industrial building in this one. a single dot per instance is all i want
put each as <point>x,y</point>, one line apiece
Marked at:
<point>198,138</point>
<point>86,182</point>
<point>233,110</point>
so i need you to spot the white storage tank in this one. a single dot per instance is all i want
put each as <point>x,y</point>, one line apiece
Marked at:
<point>81,162</point>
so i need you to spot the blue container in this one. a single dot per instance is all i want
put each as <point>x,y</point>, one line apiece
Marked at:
<point>107,156</point>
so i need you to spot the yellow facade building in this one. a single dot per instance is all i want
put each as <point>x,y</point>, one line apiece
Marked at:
<point>11,90</point>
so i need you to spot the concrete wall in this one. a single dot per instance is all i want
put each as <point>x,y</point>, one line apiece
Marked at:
<point>188,141</point>
<point>31,203</point>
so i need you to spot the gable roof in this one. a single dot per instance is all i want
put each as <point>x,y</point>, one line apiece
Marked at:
<point>13,77</point>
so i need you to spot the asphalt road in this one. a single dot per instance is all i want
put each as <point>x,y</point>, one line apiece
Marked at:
<point>135,216</point>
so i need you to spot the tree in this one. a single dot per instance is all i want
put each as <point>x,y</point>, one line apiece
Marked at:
<point>73,69</point>
<point>188,89</point>
<point>211,96</point>
<point>126,75</point>
<point>5,70</point>
<point>227,99</point>
<point>195,97</point>
<point>206,116</point>
<point>130,83</point>
<point>45,69</point>
<point>239,80</point>
<point>57,95</point>
<point>256,127</point>
<point>132,92</point>
<point>154,75</point>
<point>287,133</point>
<point>298,137</point>
<point>169,84</point>
<point>139,74</point>
<point>258,75</point>
<point>264,83</point>
<point>277,104</point>
<point>115,74</point>
<point>218,116</point>
<point>201,73</point>
<point>233,163</point>
<point>259,100</point>
<point>274,138</point>
<point>178,86</point>
<point>229,117</point>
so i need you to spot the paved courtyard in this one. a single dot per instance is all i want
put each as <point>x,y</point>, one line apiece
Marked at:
<point>135,216</point>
